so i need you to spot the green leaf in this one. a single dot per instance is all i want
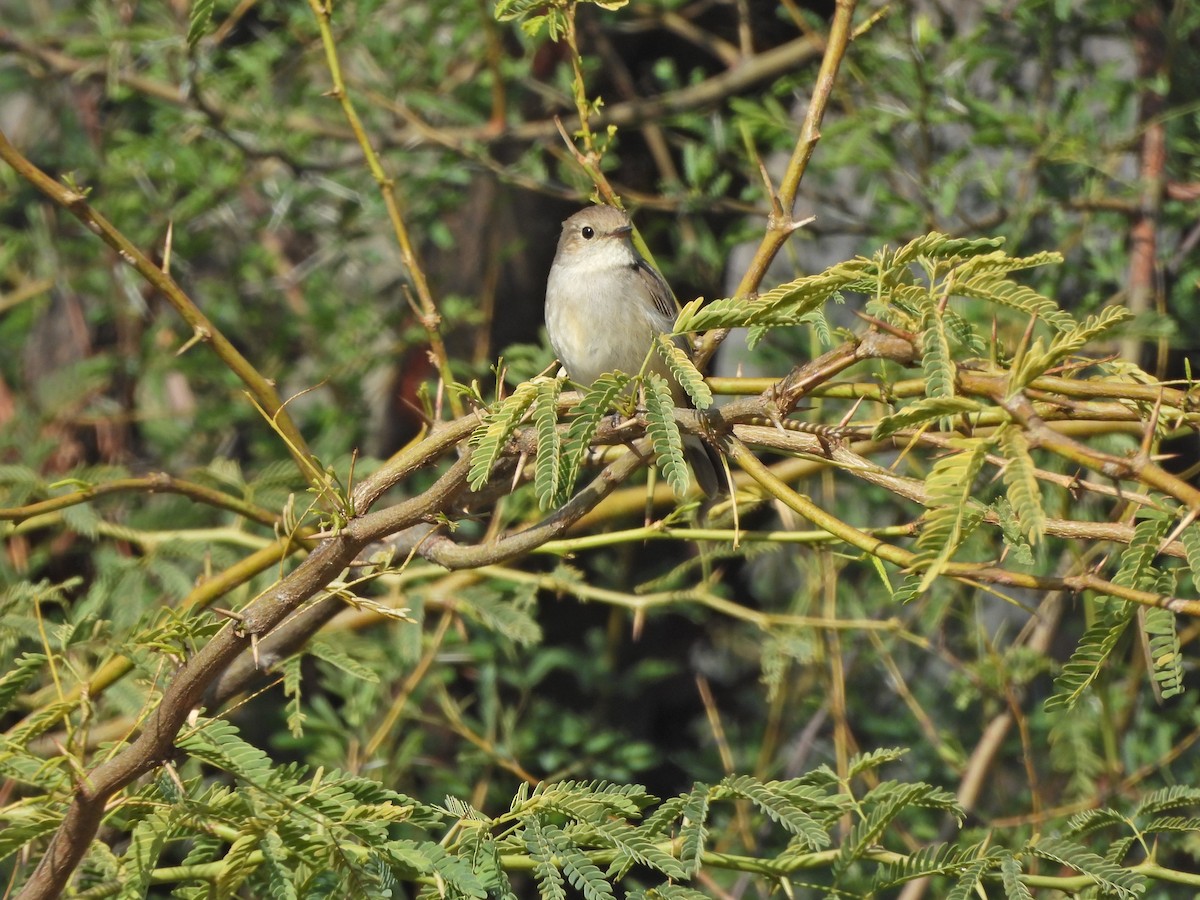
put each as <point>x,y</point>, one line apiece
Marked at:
<point>544,842</point>
<point>280,881</point>
<point>594,801</point>
<point>548,469</point>
<point>779,807</point>
<point>145,846</point>
<point>411,858</point>
<point>820,324</point>
<point>669,892</point>
<point>504,613</point>
<point>968,883</point>
<point>955,512</point>
<point>1176,796</point>
<point>1089,820</point>
<point>1083,668</point>
<point>1190,537</point>
<point>1024,492</point>
<point>588,414</point>
<point>1106,875</point>
<point>908,590</point>
<point>1136,566</point>
<point>936,859</point>
<point>1010,877</point>
<point>583,874</point>
<point>786,304</point>
<point>868,762</point>
<point>913,300</point>
<point>777,654</point>
<point>490,438</point>
<point>1069,341</point>
<point>964,333</point>
<point>882,805</point>
<point>24,668</point>
<point>339,659</point>
<point>635,845</point>
<point>686,374</point>
<point>924,410</point>
<point>663,819</point>
<point>936,360</point>
<point>216,742</point>
<point>22,482</point>
<point>455,872</point>
<point>664,433</point>
<point>694,831</point>
<point>293,684</point>
<point>983,278</point>
<point>534,15</point>
<point>1098,642</point>
<point>1166,655</point>
<point>1015,540</point>
<point>936,245</point>
<point>199,20</point>
<point>480,852</point>
<point>1000,263</point>
<point>40,721</point>
<point>1175,824</point>
<point>83,519</point>
<point>237,865</point>
<point>25,824</point>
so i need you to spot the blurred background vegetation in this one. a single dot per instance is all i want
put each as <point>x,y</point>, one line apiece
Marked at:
<point>1055,125</point>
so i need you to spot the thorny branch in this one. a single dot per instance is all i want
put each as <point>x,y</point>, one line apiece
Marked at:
<point>224,665</point>
<point>333,553</point>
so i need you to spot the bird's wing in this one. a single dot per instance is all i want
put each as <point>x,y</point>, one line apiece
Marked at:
<point>664,300</point>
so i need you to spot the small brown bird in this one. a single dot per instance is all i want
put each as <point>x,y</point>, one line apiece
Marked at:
<point>605,306</point>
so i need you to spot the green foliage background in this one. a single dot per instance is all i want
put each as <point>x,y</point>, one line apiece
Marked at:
<point>759,687</point>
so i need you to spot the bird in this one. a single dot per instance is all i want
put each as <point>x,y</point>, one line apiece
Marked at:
<point>606,306</point>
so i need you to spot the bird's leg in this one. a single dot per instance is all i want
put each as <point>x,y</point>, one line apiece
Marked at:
<point>629,410</point>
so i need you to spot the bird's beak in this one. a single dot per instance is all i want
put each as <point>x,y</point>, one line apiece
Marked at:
<point>624,229</point>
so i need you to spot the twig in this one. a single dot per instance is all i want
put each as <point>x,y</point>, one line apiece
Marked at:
<point>430,318</point>
<point>780,227</point>
<point>260,388</point>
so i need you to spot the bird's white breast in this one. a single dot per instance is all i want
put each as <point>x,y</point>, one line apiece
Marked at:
<point>598,314</point>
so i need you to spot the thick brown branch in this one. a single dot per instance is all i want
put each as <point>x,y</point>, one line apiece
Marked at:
<point>1138,468</point>
<point>155,742</point>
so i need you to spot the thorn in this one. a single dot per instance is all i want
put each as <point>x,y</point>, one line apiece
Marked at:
<point>1152,426</point>
<point>516,479</point>
<point>1178,530</point>
<point>199,333</point>
<point>850,414</point>
<point>169,768</point>
<point>1023,345</point>
<point>166,264</point>
<point>886,326</point>
<point>796,224</point>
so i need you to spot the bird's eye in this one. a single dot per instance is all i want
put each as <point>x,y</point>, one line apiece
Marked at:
<point>588,232</point>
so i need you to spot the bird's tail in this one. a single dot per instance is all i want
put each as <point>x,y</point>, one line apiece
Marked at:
<point>706,466</point>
